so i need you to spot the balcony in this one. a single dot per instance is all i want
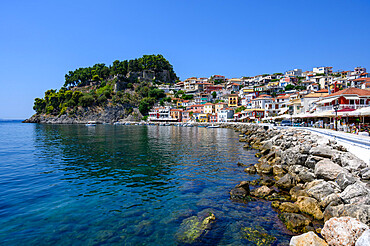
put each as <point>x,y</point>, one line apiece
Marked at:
<point>341,106</point>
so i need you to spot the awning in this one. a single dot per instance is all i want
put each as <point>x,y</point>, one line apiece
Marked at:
<point>283,110</point>
<point>328,113</point>
<point>351,97</point>
<point>327,100</point>
<point>360,112</point>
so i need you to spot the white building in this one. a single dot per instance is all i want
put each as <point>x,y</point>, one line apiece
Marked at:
<point>325,70</point>
<point>225,115</point>
<point>294,72</point>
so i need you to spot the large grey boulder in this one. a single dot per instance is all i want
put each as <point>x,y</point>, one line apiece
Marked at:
<point>301,173</point>
<point>321,190</point>
<point>293,156</point>
<point>343,231</point>
<point>350,162</point>
<point>364,239</point>
<point>365,173</point>
<point>345,179</point>
<point>328,170</point>
<point>309,238</point>
<point>312,160</point>
<point>286,182</point>
<point>356,193</point>
<point>322,151</point>
<point>360,212</point>
<point>332,200</point>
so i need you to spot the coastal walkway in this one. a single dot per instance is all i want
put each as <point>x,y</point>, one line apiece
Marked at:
<point>356,144</point>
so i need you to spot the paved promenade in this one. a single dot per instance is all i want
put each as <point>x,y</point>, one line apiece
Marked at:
<point>356,144</point>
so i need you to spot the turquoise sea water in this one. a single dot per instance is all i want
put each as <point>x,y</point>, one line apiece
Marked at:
<point>123,185</point>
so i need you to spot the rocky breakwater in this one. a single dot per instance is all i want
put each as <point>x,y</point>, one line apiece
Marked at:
<point>308,178</point>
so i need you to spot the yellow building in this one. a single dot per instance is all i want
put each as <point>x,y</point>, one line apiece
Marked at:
<point>246,91</point>
<point>203,117</point>
<point>233,100</point>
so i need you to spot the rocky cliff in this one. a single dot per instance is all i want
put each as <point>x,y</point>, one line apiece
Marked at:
<point>108,114</point>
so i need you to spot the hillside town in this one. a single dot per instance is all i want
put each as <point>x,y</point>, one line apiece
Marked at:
<point>310,98</point>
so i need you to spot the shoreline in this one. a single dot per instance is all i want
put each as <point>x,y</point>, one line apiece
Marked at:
<point>310,179</point>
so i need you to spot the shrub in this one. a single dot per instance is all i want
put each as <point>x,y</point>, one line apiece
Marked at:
<point>49,109</point>
<point>63,110</point>
<point>102,99</point>
<point>86,100</point>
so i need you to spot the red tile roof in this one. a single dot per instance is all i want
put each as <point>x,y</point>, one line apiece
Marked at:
<point>322,91</point>
<point>283,97</point>
<point>351,91</point>
<point>362,79</point>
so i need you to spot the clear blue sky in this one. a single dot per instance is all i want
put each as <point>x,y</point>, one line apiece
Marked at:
<point>43,40</point>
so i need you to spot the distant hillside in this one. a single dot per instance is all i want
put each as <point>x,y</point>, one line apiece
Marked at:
<point>125,89</point>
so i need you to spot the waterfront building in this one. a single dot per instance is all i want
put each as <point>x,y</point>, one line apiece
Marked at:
<point>161,114</point>
<point>176,114</point>
<point>225,115</point>
<point>350,98</point>
<point>212,118</point>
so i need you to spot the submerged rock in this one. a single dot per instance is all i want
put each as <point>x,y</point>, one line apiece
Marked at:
<point>309,238</point>
<point>193,228</point>
<point>250,170</point>
<point>294,222</point>
<point>343,231</point>
<point>257,235</point>
<point>288,207</point>
<point>262,191</point>
<point>241,192</point>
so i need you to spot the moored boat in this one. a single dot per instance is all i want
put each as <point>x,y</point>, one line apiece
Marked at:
<point>91,123</point>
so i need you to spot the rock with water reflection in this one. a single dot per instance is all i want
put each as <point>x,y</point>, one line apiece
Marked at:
<point>257,235</point>
<point>194,228</point>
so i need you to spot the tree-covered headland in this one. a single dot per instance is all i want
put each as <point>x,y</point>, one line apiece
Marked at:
<point>129,83</point>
